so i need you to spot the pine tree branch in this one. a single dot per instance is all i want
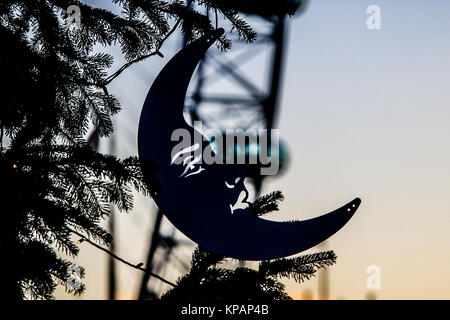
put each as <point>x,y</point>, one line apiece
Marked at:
<point>202,258</point>
<point>130,63</point>
<point>267,203</point>
<point>300,268</point>
<point>155,52</point>
<point>135,266</point>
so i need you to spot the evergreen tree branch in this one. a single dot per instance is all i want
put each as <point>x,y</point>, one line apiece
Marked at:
<point>203,259</point>
<point>267,203</point>
<point>139,59</point>
<point>300,268</point>
<point>135,266</point>
<point>208,282</point>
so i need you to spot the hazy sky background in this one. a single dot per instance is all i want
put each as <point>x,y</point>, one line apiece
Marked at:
<point>364,113</point>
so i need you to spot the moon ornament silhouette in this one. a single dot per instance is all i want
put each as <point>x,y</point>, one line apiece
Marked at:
<point>208,203</point>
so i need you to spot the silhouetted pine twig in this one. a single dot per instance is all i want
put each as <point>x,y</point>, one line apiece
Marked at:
<point>267,203</point>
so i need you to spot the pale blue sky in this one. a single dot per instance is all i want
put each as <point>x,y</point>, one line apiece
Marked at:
<point>367,114</point>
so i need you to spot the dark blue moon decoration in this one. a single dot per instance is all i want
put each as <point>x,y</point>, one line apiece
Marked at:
<point>208,202</point>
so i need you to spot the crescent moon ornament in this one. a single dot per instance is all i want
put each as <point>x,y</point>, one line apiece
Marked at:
<point>208,203</point>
